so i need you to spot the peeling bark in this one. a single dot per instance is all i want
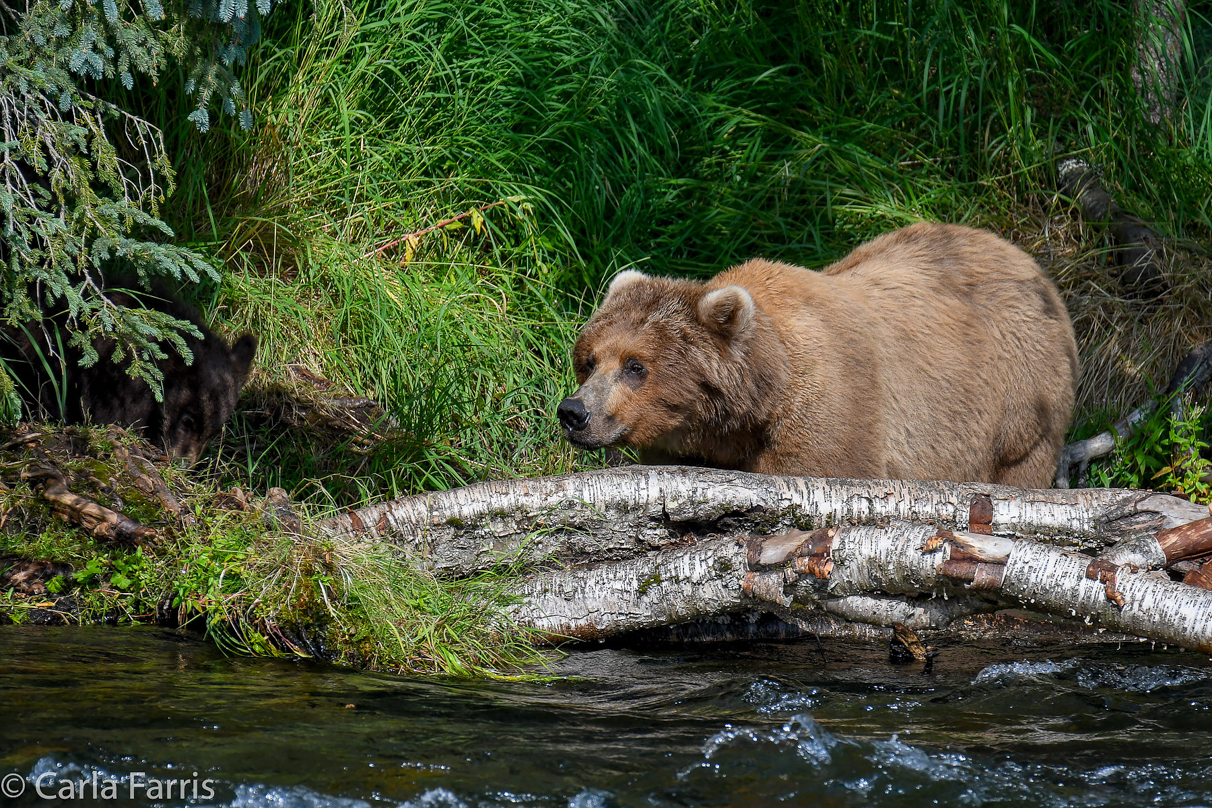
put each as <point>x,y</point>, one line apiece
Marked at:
<point>1200,576</point>
<point>616,514</point>
<point>1145,604</point>
<point>642,548</point>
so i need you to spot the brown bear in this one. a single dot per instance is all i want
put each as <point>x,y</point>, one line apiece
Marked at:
<point>198,396</point>
<point>933,352</point>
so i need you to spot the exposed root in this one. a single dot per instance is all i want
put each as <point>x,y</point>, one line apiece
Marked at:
<point>101,478</point>
<point>28,577</point>
<point>148,480</point>
<point>278,512</point>
<point>98,520</point>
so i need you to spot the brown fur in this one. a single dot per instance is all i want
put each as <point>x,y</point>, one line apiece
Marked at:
<point>934,352</point>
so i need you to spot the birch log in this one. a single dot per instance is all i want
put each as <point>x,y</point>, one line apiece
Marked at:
<point>850,571</point>
<point>617,514</point>
<point>612,551</point>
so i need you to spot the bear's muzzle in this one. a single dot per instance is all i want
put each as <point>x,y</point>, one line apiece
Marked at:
<point>573,415</point>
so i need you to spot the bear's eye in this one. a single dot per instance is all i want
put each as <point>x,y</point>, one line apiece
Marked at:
<point>590,363</point>
<point>634,368</point>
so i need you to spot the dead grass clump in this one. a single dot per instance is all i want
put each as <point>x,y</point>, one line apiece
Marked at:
<point>1129,346</point>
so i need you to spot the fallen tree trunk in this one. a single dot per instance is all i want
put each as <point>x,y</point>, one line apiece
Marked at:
<point>614,514</point>
<point>944,575</point>
<point>617,550</point>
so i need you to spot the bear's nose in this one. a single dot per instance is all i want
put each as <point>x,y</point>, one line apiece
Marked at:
<point>572,414</point>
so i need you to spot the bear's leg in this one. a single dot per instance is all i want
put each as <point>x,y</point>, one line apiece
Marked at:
<point>1036,469</point>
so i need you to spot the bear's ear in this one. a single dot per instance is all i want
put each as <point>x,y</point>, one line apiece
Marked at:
<point>242,353</point>
<point>727,311</point>
<point>624,279</point>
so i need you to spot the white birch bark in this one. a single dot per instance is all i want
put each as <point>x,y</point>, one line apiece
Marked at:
<point>1155,607</point>
<point>916,614</point>
<point>671,586</point>
<point>1141,551</point>
<point>614,514</point>
<point>850,572</point>
<point>617,550</point>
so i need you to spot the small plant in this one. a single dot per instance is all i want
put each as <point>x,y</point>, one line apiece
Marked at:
<point>1189,472</point>
<point>1162,452</point>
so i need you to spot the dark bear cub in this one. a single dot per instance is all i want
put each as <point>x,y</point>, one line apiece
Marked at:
<point>198,397</point>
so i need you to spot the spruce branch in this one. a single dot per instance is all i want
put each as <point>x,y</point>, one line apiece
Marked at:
<point>82,180</point>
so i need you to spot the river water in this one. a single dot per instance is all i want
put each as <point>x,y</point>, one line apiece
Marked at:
<point>754,725</point>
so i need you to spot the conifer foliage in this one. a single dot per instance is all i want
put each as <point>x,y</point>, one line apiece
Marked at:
<point>82,180</point>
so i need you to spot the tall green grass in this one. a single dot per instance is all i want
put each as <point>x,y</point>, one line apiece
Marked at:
<point>466,356</point>
<point>691,134</point>
<point>672,135</point>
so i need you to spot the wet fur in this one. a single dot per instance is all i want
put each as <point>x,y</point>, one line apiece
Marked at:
<point>198,398</point>
<point>934,352</point>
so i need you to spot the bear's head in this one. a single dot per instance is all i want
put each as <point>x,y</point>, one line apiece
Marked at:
<point>659,364</point>
<point>201,396</point>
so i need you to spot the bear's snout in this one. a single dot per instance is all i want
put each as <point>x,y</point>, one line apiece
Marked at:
<point>572,414</point>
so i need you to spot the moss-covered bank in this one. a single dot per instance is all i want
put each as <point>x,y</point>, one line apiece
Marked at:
<point>242,568</point>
